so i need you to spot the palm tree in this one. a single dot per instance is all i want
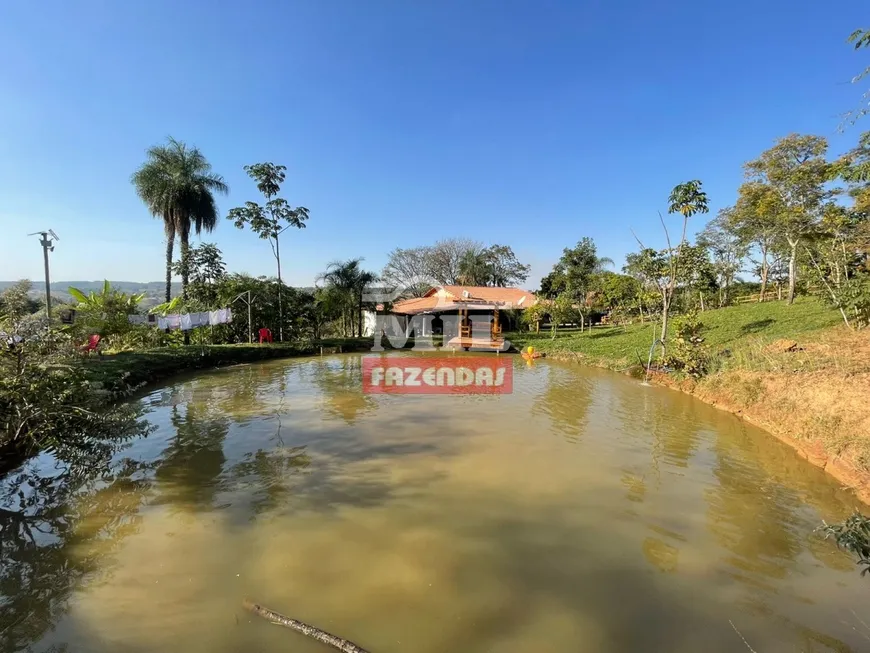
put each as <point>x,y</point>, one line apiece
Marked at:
<point>475,268</point>
<point>178,186</point>
<point>687,199</point>
<point>348,280</point>
<point>602,263</point>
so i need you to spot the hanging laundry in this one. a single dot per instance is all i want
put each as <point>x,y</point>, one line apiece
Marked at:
<point>173,321</point>
<point>186,322</point>
<point>214,317</point>
<point>199,319</point>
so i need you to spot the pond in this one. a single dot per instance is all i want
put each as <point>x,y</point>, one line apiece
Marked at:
<point>581,512</point>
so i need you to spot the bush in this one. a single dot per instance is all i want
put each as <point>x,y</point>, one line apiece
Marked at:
<point>686,351</point>
<point>46,402</point>
<point>853,535</point>
<point>140,336</point>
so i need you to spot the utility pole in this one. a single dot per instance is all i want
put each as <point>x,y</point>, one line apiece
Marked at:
<point>47,246</point>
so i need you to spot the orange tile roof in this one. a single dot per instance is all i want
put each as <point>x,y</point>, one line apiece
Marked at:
<point>450,297</point>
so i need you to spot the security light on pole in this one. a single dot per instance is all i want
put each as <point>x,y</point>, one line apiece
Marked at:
<point>47,242</point>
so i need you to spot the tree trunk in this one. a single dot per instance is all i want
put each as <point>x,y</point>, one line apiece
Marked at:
<point>185,256</point>
<point>792,271</point>
<point>701,295</point>
<point>764,270</point>
<point>280,295</point>
<point>360,330</point>
<point>666,305</point>
<point>185,271</point>
<point>170,244</point>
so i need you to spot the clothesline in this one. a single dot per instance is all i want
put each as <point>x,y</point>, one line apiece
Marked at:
<point>187,321</point>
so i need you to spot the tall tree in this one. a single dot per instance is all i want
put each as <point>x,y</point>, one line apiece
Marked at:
<point>652,269</point>
<point>496,265</point>
<point>504,268</point>
<point>687,199</point>
<point>347,281</point>
<point>407,271</point>
<point>755,219</point>
<point>16,303</point>
<point>446,256</point>
<point>860,38</point>
<point>474,268</point>
<point>620,293</point>
<point>271,220</point>
<point>574,274</point>
<point>697,276</point>
<point>177,184</point>
<point>206,268</point>
<point>795,170</point>
<point>453,261</point>
<point>727,248</point>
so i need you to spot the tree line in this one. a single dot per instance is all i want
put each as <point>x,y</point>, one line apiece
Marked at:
<point>453,261</point>
<point>799,221</point>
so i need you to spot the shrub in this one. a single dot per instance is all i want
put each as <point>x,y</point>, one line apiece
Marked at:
<point>853,535</point>
<point>686,351</point>
<point>46,402</point>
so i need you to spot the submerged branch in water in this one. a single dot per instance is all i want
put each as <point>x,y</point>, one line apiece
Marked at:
<point>300,627</point>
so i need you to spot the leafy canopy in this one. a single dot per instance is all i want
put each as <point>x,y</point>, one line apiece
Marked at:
<point>270,220</point>
<point>177,184</point>
<point>688,199</point>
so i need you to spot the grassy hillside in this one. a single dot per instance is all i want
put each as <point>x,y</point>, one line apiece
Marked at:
<point>733,328</point>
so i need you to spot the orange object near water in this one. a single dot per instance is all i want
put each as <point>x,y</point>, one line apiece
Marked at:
<point>530,354</point>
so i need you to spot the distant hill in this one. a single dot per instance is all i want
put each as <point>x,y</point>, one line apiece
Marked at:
<point>154,290</point>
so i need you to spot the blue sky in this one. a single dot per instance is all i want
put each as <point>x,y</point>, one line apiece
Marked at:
<point>531,124</point>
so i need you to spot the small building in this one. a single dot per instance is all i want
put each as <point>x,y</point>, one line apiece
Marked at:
<point>467,316</point>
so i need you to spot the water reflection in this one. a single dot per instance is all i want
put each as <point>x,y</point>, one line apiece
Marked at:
<point>191,466</point>
<point>56,531</point>
<point>340,381</point>
<point>565,400</point>
<point>268,475</point>
<point>753,518</point>
<point>581,512</point>
<point>660,554</point>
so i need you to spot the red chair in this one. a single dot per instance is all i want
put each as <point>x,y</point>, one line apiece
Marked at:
<point>92,344</point>
<point>265,335</point>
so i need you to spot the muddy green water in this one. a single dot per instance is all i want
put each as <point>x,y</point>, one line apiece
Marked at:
<point>583,512</point>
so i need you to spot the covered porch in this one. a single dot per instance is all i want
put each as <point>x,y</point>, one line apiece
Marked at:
<point>466,325</point>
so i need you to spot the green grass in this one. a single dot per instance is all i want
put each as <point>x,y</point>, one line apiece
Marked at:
<point>725,328</point>
<point>123,371</point>
<point>610,346</point>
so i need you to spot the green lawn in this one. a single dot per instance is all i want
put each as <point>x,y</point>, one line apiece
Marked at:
<point>726,328</point>
<point>118,373</point>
